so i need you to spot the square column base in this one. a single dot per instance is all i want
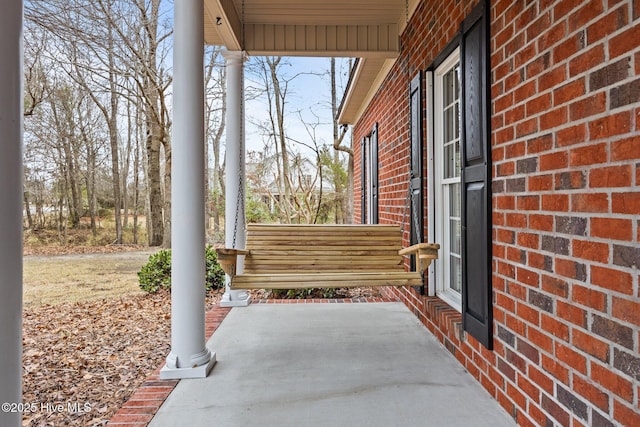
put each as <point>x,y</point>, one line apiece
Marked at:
<point>201,371</point>
<point>235,299</point>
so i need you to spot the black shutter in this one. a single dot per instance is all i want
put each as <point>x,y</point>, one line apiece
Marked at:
<point>373,149</point>
<point>476,175</point>
<point>415,112</point>
<point>363,181</point>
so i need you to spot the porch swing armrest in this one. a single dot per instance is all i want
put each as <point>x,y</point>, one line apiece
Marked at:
<point>426,253</point>
<point>228,258</point>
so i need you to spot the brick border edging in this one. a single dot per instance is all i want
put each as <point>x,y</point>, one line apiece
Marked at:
<point>143,404</point>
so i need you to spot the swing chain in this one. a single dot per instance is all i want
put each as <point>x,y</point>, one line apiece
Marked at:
<point>414,213</point>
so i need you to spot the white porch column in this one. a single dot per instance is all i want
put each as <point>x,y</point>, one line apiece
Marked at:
<point>235,223</point>
<point>189,357</point>
<point>11,210</point>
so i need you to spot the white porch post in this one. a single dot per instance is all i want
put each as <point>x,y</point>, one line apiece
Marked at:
<point>11,210</point>
<point>189,357</point>
<point>235,223</point>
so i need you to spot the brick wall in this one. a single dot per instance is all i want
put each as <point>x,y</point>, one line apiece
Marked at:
<point>566,204</point>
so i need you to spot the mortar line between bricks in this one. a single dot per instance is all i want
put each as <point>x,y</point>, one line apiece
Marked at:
<point>132,413</point>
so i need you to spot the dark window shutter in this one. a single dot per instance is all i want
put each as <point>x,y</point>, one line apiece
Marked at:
<point>476,176</point>
<point>415,112</point>
<point>374,173</point>
<point>363,181</point>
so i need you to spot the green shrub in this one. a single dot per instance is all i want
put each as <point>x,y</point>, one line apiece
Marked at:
<point>156,273</point>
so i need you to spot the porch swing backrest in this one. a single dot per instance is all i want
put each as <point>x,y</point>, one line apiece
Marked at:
<point>280,256</point>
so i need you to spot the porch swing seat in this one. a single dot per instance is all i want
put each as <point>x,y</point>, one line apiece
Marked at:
<point>282,256</point>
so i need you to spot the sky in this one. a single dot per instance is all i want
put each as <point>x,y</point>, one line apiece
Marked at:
<point>309,93</point>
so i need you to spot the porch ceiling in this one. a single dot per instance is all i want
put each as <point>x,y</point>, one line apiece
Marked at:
<point>367,29</point>
<point>348,28</point>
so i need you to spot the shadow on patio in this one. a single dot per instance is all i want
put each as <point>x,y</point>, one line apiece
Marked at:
<point>329,365</point>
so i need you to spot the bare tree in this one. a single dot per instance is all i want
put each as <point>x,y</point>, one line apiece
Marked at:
<point>344,192</point>
<point>215,117</point>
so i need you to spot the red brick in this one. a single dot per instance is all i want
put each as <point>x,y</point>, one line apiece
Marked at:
<point>541,222</point>
<point>554,327</point>
<point>514,150</point>
<point>624,42</point>
<point>607,25</point>
<point>554,118</point>
<point>538,104</point>
<point>537,260</point>
<point>552,161</point>
<point>540,144</point>
<point>528,203</point>
<point>626,203</point>
<point>626,310</point>
<point>555,368</point>
<point>569,268</point>
<point>590,202</point>
<point>555,285</point>
<point>571,135</point>
<point>614,280</point>
<point>506,236</point>
<point>593,394</point>
<point>613,382</point>
<point>528,277</point>
<point>589,297</point>
<point>552,78</point>
<point>592,251</point>
<point>571,358</point>
<point>626,149</point>
<point>590,344</point>
<point>528,240</point>
<point>586,61</point>
<point>612,228</point>
<point>569,91</point>
<point>555,202</point>
<point>526,312</point>
<point>571,313</point>
<point>506,202</point>
<point>589,155</point>
<point>624,415</point>
<point>612,176</point>
<point>610,125</point>
<point>567,48</point>
<point>539,417</point>
<point>526,128</point>
<point>540,340</point>
<point>590,106</point>
<point>585,14</point>
<point>552,36</point>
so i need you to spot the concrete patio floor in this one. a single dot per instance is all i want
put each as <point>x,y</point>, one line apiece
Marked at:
<point>370,364</point>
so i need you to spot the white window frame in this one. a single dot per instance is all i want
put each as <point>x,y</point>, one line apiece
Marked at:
<point>439,232</point>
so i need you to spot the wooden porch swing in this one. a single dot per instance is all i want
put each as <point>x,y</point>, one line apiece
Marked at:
<point>282,256</point>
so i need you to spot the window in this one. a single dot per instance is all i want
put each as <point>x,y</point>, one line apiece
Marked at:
<point>460,175</point>
<point>446,164</point>
<point>369,177</point>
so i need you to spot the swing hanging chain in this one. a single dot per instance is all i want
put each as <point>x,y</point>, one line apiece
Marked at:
<point>410,202</point>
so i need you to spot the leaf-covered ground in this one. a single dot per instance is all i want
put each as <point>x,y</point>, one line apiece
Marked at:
<point>82,361</point>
